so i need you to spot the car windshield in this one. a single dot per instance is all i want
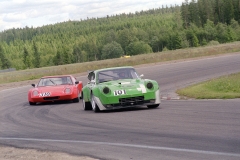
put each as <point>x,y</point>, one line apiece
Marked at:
<point>52,81</point>
<point>116,74</point>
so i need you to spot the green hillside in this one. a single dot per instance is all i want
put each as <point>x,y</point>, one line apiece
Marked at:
<point>155,30</point>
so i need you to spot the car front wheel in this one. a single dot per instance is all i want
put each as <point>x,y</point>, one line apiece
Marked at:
<point>32,103</point>
<point>86,105</point>
<point>94,105</point>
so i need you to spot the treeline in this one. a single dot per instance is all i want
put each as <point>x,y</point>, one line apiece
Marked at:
<point>217,11</point>
<point>155,30</point>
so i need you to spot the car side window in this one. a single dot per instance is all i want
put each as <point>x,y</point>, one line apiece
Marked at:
<point>41,83</point>
<point>66,80</point>
<point>134,74</point>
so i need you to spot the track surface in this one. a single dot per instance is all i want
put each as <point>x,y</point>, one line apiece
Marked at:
<point>178,129</point>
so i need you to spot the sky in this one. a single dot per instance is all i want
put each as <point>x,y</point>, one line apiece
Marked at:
<point>36,13</point>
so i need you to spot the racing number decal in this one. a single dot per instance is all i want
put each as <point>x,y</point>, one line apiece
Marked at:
<point>45,94</point>
<point>142,88</point>
<point>119,92</point>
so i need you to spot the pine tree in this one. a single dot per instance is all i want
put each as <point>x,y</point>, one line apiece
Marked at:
<point>177,41</point>
<point>5,63</point>
<point>195,41</point>
<point>58,60</point>
<point>228,11</point>
<point>236,6</point>
<point>194,13</point>
<point>155,44</point>
<point>206,10</point>
<point>185,14</point>
<point>76,54</point>
<point>26,58</point>
<point>36,56</point>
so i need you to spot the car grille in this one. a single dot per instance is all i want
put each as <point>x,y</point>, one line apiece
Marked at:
<point>51,98</point>
<point>131,100</point>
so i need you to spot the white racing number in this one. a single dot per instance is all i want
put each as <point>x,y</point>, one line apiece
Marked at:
<point>45,94</point>
<point>142,88</point>
<point>119,92</point>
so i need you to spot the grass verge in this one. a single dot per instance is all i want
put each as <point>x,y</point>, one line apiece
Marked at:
<point>30,74</point>
<point>225,87</point>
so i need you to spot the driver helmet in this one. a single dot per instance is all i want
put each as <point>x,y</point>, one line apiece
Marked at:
<point>122,74</point>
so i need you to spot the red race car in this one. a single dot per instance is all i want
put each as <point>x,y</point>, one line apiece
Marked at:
<point>55,88</point>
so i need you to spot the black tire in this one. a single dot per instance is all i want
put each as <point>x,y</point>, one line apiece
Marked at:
<point>86,105</point>
<point>32,103</point>
<point>80,95</point>
<point>76,100</point>
<point>94,105</point>
<point>153,106</point>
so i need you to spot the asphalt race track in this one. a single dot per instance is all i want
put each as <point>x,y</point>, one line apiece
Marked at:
<point>177,130</point>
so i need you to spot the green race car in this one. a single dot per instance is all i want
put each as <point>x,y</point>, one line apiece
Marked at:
<point>119,87</point>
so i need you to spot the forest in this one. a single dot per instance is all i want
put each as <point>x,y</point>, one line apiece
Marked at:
<point>194,23</point>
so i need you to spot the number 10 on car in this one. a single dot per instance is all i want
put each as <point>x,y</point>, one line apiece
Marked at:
<point>119,92</point>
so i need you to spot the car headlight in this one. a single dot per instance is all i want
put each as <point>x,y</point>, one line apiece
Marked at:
<point>67,90</point>
<point>35,93</point>
<point>149,85</point>
<point>106,90</point>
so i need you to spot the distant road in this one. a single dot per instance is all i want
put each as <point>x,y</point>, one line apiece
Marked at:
<point>177,130</point>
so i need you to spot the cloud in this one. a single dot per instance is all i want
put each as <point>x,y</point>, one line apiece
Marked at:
<point>21,13</point>
<point>13,17</point>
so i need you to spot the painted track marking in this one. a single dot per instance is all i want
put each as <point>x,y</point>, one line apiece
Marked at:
<point>126,145</point>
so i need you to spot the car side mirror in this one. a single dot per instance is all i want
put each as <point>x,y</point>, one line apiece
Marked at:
<point>92,81</point>
<point>77,82</point>
<point>141,75</point>
<point>33,85</point>
<point>89,77</point>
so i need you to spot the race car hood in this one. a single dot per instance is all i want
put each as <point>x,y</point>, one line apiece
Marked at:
<point>54,89</point>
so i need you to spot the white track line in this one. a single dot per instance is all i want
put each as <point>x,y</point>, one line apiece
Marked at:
<point>127,145</point>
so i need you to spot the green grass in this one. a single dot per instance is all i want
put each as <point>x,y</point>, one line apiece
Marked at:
<point>179,54</point>
<point>226,87</point>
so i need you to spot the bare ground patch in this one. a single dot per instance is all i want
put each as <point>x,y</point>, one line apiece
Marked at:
<point>11,153</point>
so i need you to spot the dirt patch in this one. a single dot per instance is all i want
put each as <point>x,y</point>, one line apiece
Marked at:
<point>11,153</point>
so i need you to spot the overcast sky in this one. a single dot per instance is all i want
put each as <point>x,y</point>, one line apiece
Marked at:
<point>36,13</point>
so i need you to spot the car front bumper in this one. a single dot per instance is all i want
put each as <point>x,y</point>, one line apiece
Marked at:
<point>52,98</point>
<point>129,102</point>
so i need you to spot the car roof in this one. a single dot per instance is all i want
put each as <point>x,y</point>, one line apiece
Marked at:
<point>113,68</point>
<point>57,76</point>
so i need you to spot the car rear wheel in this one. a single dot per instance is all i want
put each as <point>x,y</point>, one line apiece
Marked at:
<point>32,103</point>
<point>94,105</point>
<point>86,105</point>
<point>153,106</point>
